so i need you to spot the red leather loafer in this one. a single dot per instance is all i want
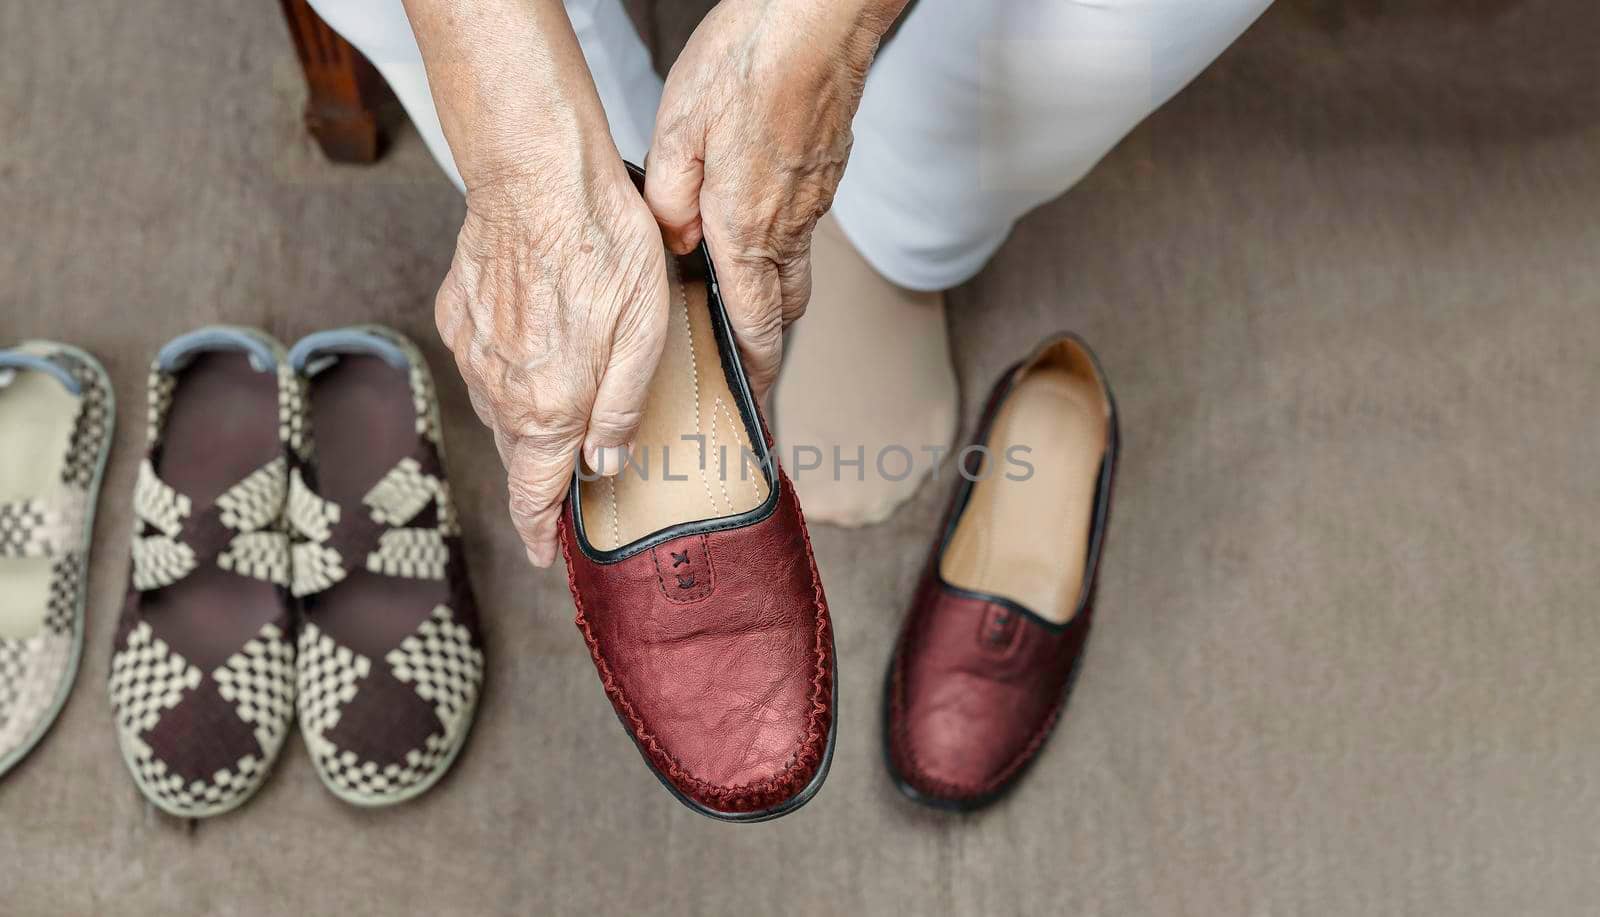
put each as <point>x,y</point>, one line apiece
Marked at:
<point>695,585</point>
<point>996,631</point>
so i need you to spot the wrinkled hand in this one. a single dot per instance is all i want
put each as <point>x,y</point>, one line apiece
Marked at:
<point>555,308</point>
<point>751,140</point>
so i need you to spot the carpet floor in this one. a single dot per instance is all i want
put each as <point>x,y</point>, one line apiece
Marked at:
<point>1346,287</point>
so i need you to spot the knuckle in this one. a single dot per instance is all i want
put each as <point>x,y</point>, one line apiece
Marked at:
<point>513,390</point>
<point>543,425</point>
<point>613,423</point>
<point>480,406</point>
<point>544,419</point>
<point>763,332</point>
<point>796,280</point>
<point>535,491</point>
<point>671,145</point>
<point>528,495</point>
<point>641,332</point>
<point>450,311</point>
<point>472,373</point>
<point>751,237</point>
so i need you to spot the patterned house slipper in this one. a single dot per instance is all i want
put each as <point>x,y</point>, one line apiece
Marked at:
<point>391,655</point>
<point>202,670</point>
<point>56,416</point>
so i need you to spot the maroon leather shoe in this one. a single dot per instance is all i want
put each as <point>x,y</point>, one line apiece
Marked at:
<point>695,585</point>
<point>996,631</point>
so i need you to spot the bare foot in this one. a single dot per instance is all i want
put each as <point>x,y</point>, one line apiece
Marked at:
<point>867,376</point>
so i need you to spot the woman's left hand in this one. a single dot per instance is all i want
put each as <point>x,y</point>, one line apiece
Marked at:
<point>751,140</point>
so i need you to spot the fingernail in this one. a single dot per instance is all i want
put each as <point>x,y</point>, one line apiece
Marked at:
<point>606,461</point>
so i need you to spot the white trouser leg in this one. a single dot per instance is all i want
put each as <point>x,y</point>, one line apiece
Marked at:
<point>629,89</point>
<point>978,111</point>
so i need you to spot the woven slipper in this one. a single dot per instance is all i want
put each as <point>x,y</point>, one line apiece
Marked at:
<point>202,670</point>
<point>56,417</point>
<point>391,655</point>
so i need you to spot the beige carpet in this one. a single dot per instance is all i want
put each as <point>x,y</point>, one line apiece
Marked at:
<point>1347,287</point>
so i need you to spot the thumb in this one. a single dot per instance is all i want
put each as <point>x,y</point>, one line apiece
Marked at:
<point>672,181</point>
<point>625,382</point>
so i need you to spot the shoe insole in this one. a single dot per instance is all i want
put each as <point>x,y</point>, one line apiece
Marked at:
<point>222,426</point>
<point>1027,540</point>
<point>692,458</point>
<point>36,420</point>
<point>365,422</point>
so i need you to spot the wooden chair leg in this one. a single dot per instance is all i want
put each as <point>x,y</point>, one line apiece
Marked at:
<point>345,91</point>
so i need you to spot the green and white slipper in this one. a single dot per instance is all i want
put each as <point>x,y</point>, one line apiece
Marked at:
<point>56,418</point>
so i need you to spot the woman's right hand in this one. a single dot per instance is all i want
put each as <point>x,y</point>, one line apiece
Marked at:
<point>556,303</point>
<point>555,308</point>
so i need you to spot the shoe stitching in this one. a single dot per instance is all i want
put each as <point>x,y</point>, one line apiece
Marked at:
<point>739,441</point>
<point>694,374</point>
<point>722,477</point>
<point>616,524</point>
<point>743,796</point>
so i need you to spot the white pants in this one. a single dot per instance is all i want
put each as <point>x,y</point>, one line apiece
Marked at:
<point>976,112</point>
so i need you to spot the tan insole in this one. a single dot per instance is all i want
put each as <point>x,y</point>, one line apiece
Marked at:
<point>1027,540</point>
<point>36,420</point>
<point>365,423</point>
<point>221,427</point>
<point>673,480</point>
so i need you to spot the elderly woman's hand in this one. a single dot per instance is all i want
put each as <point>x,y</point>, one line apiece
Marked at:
<point>750,143</point>
<point>555,308</point>
<point>556,303</point>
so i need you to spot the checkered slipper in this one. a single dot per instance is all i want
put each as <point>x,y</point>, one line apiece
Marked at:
<point>56,415</point>
<point>391,656</point>
<point>202,669</point>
